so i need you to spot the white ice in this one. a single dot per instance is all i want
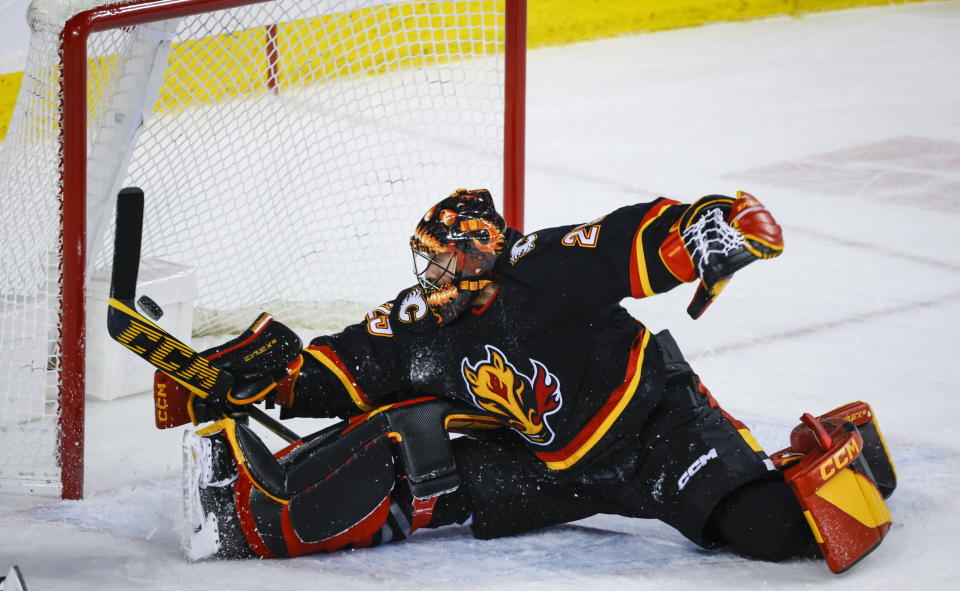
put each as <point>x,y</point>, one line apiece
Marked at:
<point>847,126</point>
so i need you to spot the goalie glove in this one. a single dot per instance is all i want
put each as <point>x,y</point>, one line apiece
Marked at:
<point>264,361</point>
<point>722,236</point>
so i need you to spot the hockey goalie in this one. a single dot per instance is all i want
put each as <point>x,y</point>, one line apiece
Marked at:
<point>569,406</point>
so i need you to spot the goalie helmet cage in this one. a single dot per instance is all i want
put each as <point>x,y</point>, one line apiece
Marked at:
<point>285,148</point>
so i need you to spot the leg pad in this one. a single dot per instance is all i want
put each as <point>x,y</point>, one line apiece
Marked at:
<point>338,487</point>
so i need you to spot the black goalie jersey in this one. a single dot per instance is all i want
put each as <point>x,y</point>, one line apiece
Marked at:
<point>553,356</point>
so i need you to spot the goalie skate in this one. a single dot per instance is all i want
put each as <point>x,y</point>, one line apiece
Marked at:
<point>210,527</point>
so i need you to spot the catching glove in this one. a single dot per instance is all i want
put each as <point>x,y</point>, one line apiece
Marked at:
<point>724,235</point>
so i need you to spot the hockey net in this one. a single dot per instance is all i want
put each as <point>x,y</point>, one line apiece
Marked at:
<point>285,148</point>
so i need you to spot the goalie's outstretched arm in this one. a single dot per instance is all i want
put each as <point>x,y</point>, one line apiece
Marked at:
<point>647,249</point>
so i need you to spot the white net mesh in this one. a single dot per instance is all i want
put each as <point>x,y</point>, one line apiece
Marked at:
<point>711,236</point>
<point>286,152</point>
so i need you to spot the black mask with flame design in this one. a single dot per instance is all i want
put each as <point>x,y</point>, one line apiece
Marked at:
<point>467,227</point>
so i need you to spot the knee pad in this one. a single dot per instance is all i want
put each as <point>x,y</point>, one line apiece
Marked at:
<point>764,520</point>
<point>833,478</point>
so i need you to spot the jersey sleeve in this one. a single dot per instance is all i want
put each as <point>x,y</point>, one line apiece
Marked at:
<point>648,249</point>
<point>636,251</point>
<point>359,369</point>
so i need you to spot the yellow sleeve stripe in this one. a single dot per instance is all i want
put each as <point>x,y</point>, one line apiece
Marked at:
<point>358,398</point>
<point>639,275</point>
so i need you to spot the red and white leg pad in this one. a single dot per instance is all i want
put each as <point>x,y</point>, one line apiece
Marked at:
<point>828,472</point>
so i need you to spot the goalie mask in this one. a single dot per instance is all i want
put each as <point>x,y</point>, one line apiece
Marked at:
<point>455,246</point>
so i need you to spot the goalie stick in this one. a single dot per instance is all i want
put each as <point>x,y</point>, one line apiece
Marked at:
<point>147,340</point>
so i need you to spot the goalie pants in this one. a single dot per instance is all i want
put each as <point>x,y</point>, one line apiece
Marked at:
<point>693,467</point>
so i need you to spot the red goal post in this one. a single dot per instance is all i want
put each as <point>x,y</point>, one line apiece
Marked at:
<point>455,107</point>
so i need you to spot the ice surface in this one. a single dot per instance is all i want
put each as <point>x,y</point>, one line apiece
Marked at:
<point>847,126</point>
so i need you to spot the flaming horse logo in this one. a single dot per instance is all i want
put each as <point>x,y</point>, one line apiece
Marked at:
<point>522,403</point>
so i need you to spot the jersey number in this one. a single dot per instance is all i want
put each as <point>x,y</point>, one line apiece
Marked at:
<point>585,235</point>
<point>378,321</point>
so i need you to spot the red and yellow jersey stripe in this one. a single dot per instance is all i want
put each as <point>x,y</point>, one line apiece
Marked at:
<point>641,282</point>
<point>326,356</point>
<point>603,420</point>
